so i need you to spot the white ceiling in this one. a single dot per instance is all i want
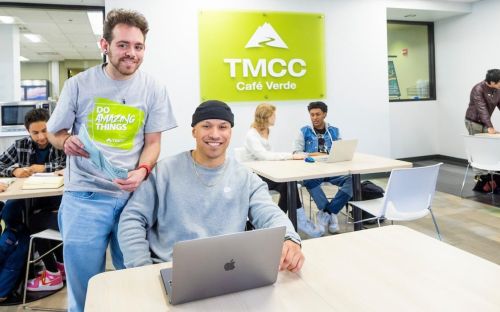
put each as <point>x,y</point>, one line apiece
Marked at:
<point>446,9</point>
<point>65,34</point>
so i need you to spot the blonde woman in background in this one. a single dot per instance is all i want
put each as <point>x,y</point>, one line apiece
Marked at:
<point>257,147</point>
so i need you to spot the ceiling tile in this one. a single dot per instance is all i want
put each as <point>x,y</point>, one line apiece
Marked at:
<point>41,28</point>
<point>68,16</point>
<point>75,28</point>
<point>27,15</point>
<point>83,38</point>
<point>67,32</point>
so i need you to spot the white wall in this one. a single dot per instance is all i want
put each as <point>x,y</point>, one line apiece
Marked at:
<point>413,129</point>
<point>356,62</point>
<point>466,47</point>
<point>34,70</point>
<point>414,126</point>
<point>356,67</point>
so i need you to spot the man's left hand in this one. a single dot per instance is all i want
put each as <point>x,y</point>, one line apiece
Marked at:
<point>135,178</point>
<point>37,168</point>
<point>292,258</point>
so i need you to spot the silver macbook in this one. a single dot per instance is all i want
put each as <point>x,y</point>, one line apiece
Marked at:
<point>342,150</point>
<point>208,267</point>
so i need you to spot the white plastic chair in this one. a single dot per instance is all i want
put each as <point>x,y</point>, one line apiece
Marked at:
<point>483,153</point>
<point>45,234</point>
<point>408,196</point>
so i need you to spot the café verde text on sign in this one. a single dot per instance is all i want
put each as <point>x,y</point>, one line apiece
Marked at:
<point>255,56</point>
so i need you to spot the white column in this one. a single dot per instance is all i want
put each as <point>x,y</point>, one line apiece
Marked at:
<point>54,79</point>
<point>10,67</point>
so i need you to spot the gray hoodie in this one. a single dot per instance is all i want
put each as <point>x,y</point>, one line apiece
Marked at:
<point>182,201</point>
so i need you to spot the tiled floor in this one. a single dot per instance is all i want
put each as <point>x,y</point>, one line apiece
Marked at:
<point>471,223</point>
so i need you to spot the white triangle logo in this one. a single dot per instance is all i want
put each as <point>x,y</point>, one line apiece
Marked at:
<point>266,35</point>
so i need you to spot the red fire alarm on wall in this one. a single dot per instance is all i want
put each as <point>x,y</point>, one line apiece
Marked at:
<point>404,51</point>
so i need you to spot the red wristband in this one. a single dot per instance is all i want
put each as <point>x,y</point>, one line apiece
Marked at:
<point>147,167</point>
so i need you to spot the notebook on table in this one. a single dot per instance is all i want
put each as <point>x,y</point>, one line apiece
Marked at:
<point>342,150</point>
<point>43,182</point>
<point>7,181</point>
<point>218,265</point>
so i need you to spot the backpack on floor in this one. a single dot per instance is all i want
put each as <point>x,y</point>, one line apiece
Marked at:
<point>485,183</point>
<point>369,190</point>
<point>13,254</point>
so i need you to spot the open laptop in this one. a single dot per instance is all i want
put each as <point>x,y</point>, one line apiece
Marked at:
<point>208,267</point>
<point>342,150</point>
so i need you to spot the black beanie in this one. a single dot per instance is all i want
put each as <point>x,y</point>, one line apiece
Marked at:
<point>213,109</point>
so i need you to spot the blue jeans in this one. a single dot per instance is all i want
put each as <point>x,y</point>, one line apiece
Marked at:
<point>12,212</point>
<point>343,195</point>
<point>88,222</point>
<point>13,254</point>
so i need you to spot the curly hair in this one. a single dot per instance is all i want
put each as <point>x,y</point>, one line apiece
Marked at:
<point>127,17</point>
<point>319,105</point>
<point>263,112</point>
<point>35,115</point>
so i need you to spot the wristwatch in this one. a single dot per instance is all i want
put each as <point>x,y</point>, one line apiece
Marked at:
<point>298,242</point>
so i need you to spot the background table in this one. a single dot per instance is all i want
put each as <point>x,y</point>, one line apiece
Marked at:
<point>15,191</point>
<point>291,171</point>
<point>392,268</point>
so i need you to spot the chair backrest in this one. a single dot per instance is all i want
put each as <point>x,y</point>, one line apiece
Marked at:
<point>483,152</point>
<point>411,189</point>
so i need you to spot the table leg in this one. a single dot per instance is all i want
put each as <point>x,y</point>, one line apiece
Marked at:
<point>28,205</point>
<point>292,202</point>
<point>356,190</point>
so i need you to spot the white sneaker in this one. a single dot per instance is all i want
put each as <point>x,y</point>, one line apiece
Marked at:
<point>323,220</point>
<point>333,226</point>
<point>306,226</point>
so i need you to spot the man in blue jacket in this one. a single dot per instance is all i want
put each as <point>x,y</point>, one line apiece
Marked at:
<point>316,140</point>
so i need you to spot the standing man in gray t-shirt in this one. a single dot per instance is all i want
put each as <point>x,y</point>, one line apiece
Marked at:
<point>124,112</point>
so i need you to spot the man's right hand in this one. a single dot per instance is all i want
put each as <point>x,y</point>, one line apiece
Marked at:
<point>74,147</point>
<point>491,130</point>
<point>298,156</point>
<point>22,172</point>
<point>317,154</point>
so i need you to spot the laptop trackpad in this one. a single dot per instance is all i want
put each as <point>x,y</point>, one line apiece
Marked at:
<point>166,276</point>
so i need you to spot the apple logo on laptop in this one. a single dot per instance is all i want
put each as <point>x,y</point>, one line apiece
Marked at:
<point>230,265</point>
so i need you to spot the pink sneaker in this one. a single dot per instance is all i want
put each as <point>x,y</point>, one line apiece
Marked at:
<point>46,281</point>
<point>60,267</point>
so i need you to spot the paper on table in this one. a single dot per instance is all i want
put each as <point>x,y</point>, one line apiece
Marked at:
<point>43,182</point>
<point>44,174</point>
<point>98,159</point>
<point>7,181</point>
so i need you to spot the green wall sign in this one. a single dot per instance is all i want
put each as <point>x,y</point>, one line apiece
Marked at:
<point>255,56</point>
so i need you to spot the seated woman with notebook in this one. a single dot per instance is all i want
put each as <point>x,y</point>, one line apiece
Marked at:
<point>22,159</point>
<point>258,147</point>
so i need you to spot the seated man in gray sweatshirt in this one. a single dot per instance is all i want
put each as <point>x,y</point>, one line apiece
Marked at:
<point>200,193</point>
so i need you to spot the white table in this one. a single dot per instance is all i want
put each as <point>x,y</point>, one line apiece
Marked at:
<point>15,191</point>
<point>291,171</point>
<point>392,268</point>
